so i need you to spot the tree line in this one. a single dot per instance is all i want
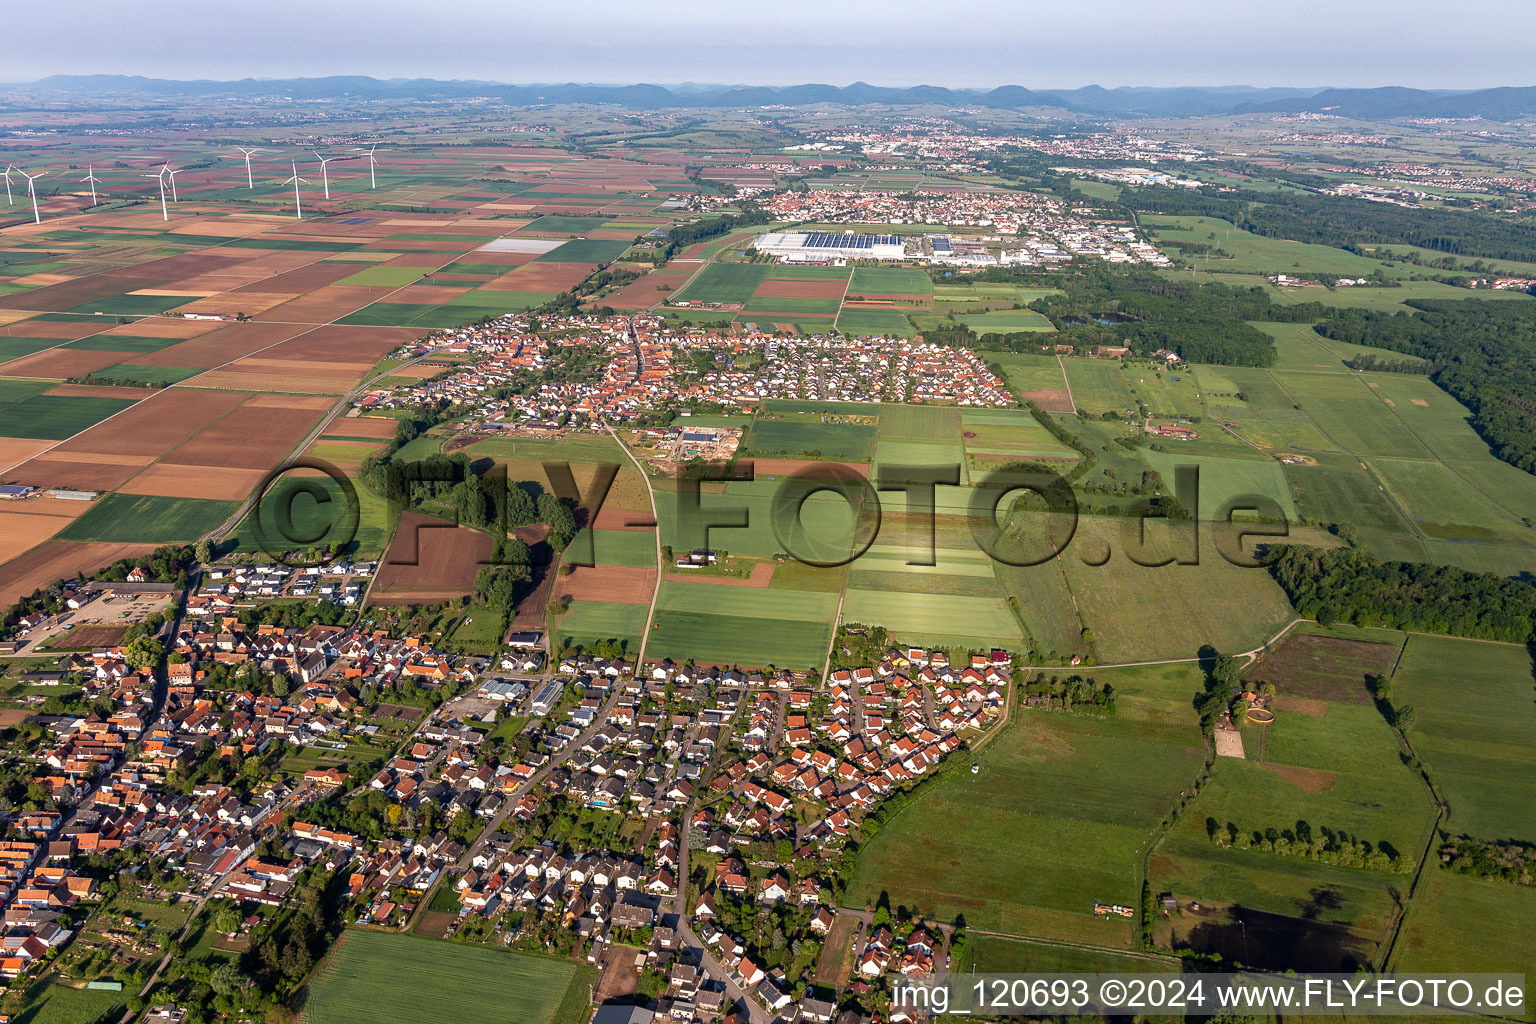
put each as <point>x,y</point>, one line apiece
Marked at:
<point>1351,585</point>
<point>1346,223</point>
<point>1334,846</point>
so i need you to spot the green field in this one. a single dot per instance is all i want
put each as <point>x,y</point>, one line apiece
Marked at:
<point>1024,372</point>
<point>1099,385</point>
<point>1475,723</point>
<point>714,624</point>
<point>588,621</point>
<point>1057,817</point>
<point>1139,613</point>
<point>890,323</point>
<point>50,1003</point>
<point>389,276</point>
<point>1006,321</point>
<point>1010,433</point>
<point>327,521</point>
<point>995,954</point>
<point>1257,254</point>
<point>726,282</point>
<point>376,978</point>
<point>619,547</point>
<point>869,281</point>
<point>52,417</point>
<point>932,617</point>
<point>1223,480</point>
<point>121,343</point>
<point>1466,924</point>
<point>919,422</point>
<point>586,250</point>
<point>148,519</point>
<point>847,442</point>
<point>151,375</point>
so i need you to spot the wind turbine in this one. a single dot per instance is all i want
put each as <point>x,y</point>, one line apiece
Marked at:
<point>37,218</point>
<point>372,181</point>
<point>298,208</point>
<point>324,178</point>
<point>249,181</point>
<point>164,214</point>
<point>172,175</point>
<point>90,176</point>
<point>8,169</point>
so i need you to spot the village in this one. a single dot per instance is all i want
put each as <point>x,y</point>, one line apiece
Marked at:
<point>1021,228</point>
<point>680,826</point>
<point>648,366</point>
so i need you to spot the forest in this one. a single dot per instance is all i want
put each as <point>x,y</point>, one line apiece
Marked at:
<point>1483,353</point>
<point>1349,585</point>
<point>1203,323</point>
<point>1346,223</point>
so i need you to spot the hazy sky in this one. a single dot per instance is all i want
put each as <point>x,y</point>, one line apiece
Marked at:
<point>1470,44</point>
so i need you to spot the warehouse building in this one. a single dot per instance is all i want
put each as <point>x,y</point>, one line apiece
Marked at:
<point>823,246</point>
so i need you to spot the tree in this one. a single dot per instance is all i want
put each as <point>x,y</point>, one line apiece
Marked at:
<point>227,919</point>
<point>204,550</point>
<point>561,520</point>
<point>227,979</point>
<point>143,652</point>
<point>520,507</point>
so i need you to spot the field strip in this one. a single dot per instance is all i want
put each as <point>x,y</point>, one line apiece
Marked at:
<point>650,612</point>
<point>1067,384</point>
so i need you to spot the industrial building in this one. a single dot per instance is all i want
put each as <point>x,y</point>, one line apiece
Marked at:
<point>822,246</point>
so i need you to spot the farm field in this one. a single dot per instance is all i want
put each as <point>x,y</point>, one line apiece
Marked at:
<point>1328,759</point>
<point>1099,385</point>
<point>1475,718</point>
<point>810,438</point>
<point>1057,818</point>
<point>1007,321</point>
<point>1256,254</point>
<point>589,621</point>
<point>1141,613</point>
<point>150,519</point>
<point>310,517</point>
<point>1226,479</point>
<point>1035,378</point>
<point>51,1003</point>
<point>430,560</point>
<point>936,618</point>
<point>995,954</point>
<point>1010,433</point>
<point>1475,924</point>
<point>402,979</point>
<point>742,625</point>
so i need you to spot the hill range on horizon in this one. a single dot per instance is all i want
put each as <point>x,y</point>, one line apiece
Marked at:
<point>1500,103</point>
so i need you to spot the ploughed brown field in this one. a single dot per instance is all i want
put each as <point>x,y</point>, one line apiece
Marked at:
<point>256,435</point>
<point>57,559</point>
<point>761,576</point>
<point>84,471</point>
<point>217,482</point>
<point>430,560</point>
<point>1050,399</point>
<point>791,289</point>
<point>613,584</point>
<point>380,427</point>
